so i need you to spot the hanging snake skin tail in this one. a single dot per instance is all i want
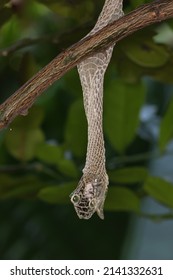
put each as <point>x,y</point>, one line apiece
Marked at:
<point>90,194</point>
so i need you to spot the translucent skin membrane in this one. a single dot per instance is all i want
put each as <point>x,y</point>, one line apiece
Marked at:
<point>90,194</point>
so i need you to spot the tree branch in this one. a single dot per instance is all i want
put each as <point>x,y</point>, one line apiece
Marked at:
<point>24,97</point>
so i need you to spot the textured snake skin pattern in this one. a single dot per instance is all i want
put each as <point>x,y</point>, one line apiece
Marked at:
<point>90,194</point>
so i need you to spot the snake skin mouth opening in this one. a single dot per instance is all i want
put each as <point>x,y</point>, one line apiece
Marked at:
<point>83,213</point>
<point>85,207</point>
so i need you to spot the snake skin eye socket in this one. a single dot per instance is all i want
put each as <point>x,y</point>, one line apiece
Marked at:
<point>75,198</point>
<point>92,203</point>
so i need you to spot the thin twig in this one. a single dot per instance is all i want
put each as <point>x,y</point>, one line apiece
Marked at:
<point>23,98</point>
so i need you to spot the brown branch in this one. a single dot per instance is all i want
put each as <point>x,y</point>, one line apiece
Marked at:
<point>23,98</point>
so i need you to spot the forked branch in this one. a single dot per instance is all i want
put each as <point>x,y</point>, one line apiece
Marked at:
<point>24,97</point>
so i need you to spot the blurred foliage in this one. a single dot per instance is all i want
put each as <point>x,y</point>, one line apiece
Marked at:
<point>43,153</point>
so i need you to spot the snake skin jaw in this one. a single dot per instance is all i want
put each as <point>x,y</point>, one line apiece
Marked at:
<point>89,197</point>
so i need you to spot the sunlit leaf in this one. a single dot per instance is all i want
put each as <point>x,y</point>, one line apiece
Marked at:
<point>122,199</point>
<point>128,175</point>
<point>121,116</point>
<point>145,52</point>
<point>160,189</point>
<point>164,34</point>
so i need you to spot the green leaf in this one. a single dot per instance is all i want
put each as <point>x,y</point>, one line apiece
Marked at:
<point>121,115</point>
<point>48,153</point>
<point>24,135</point>
<point>68,11</point>
<point>166,127</point>
<point>22,143</point>
<point>160,190</point>
<point>163,74</point>
<point>32,120</point>
<point>23,187</point>
<point>52,154</point>
<point>68,168</point>
<point>118,199</point>
<point>10,31</point>
<point>164,34</point>
<point>72,83</point>
<point>136,3</point>
<point>76,129</point>
<point>3,3</point>
<point>144,52</point>
<point>6,181</point>
<point>5,14</point>
<point>127,69</point>
<point>128,175</point>
<point>58,194</point>
<point>122,199</point>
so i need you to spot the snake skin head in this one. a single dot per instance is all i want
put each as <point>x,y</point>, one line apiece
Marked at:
<point>89,197</point>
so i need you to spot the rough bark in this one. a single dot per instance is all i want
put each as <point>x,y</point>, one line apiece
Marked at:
<point>24,97</point>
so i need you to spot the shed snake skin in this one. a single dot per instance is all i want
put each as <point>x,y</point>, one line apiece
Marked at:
<point>90,194</point>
